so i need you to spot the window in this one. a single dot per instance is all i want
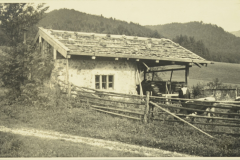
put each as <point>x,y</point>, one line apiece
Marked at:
<point>104,81</point>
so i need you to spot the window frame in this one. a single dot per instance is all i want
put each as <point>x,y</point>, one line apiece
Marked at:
<point>106,82</point>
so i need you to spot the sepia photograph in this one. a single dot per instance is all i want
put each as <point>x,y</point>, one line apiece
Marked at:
<point>120,79</point>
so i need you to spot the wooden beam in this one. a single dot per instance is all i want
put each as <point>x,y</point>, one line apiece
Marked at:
<point>197,64</point>
<point>144,73</point>
<point>152,75</point>
<point>187,74</point>
<point>36,38</point>
<point>170,87</point>
<point>54,53</point>
<point>40,39</point>
<point>146,66</point>
<point>140,85</point>
<point>164,70</point>
<point>69,84</point>
<point>137,57</point>
<point>145,118</point>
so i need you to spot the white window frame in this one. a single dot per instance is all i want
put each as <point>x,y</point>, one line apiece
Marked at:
<point>107,81</point>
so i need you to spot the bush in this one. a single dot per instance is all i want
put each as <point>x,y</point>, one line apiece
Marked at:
<point>197,90</point>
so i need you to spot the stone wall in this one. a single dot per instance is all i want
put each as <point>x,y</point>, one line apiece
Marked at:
<point>82,73</point>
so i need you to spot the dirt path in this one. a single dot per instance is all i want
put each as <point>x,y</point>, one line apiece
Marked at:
<point>118,146</point>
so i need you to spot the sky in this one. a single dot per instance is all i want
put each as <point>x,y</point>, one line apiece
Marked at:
<point>224,13</point>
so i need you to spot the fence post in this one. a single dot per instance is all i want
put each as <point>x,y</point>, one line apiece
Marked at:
<point>236,92</point>
<point>87,102</point>
<point>145,119</point>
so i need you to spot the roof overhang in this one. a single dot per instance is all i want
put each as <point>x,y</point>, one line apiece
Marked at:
<point>56,44</point>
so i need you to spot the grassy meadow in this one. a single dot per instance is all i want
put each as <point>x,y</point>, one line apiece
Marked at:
<point>228,73</point>
<point>13,145</point>
<point>83,121</point>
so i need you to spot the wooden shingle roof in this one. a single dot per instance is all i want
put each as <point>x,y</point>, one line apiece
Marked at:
<point>104,45</point>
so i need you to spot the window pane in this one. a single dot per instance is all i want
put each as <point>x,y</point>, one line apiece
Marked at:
<point>110,78</point>
<point>97,86</point>
<point>104,86</point>
<point>104,78</point>
<point>97,78</point>
<point>110,85</point>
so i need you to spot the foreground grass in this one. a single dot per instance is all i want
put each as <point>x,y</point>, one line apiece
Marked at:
<point>25,146</point>
<point>89,123</point>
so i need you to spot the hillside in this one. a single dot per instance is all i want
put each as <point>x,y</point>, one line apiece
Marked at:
<point>236,33</point>
<point>66,19</point>
<point>223,46</point>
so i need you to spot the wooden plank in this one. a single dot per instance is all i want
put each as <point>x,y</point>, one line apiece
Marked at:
<point>196,100</point>
<point>217,132</point>
<point>165,70</point>
<point>121,115</point>
<point>103,104</point>
<point>109,100</point>
<point>134,56</point>
<point>54,54</point>
<point>110,95</point>
<point>107,92</point>
<point>145,119</point>
<point>187,74</point>
<point>53,42</point>
<point>198,110</point>
<point>182,120</point>
<point>36,37</point>
<point>114,109</point>
<point>199,123</point>
<point>218,118</point>
<point>68,82</point>
<point>140,85</point>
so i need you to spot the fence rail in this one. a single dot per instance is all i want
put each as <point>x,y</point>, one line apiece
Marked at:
<point>106,102</point>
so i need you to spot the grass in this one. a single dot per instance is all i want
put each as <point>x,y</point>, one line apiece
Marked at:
<point>80,120</point>
<point>226,72</point>
<point>24,146</point>
<point>89,123</point>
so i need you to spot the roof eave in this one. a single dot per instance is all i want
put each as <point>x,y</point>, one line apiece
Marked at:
<point>52,41</point>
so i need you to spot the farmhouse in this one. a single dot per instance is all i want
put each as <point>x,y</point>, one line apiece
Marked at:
<point>112,62</point>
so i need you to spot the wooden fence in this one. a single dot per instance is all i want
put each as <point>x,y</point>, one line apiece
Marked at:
<point>221,94</point>
<point>149,109</point>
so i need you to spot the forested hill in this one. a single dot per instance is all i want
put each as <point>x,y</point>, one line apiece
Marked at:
<point>71,20</point>
<point>223,46</point>
<point>236,33</point>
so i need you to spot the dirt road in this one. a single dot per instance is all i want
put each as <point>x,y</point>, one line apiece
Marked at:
<point>118,146</point>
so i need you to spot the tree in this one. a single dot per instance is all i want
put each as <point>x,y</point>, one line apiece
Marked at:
<point>15,17</point>
<point>15,65</point>
<point>215,84</point>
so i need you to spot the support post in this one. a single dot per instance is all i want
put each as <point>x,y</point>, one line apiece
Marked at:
<point>24,37</point>
<point>145,118</point>
<point>40,44</point>
<point>145,74</point>
<point>54,54</point>
<point>170,87</point>
<point>236,92</point>
<point>187,74</point>
<point>152,75</point>
<point>69,85</point>
<point>140,85</point>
